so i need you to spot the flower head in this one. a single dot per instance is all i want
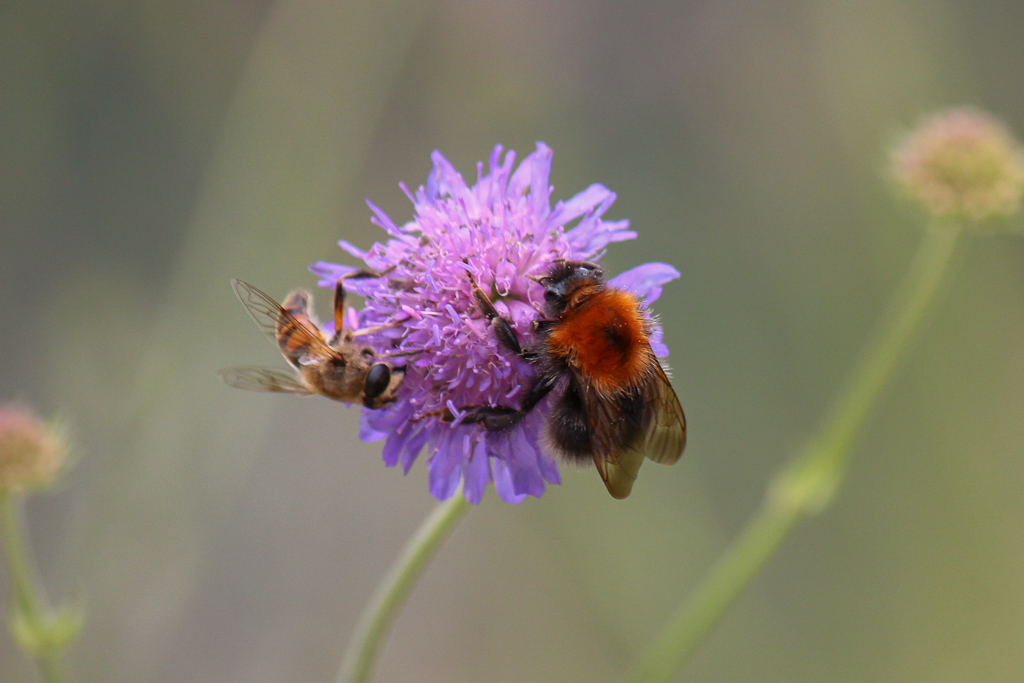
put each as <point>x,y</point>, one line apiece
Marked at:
<point>497,233</point>
<point>31,454</point>
<point>962,163</point>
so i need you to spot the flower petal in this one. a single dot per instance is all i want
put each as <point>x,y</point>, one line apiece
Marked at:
<point>642,279</point>
<point>581,204</point>
<point>476,473</point>
<point>503,486</point>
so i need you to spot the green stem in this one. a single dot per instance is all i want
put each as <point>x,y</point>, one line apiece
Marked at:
<point>904,315</point>
<point>807,485</point>
<point>29,610</point>
<point>390,595</point>
<point>688,626</point>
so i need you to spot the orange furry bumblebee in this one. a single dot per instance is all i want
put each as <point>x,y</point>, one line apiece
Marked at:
<point>614,404</point>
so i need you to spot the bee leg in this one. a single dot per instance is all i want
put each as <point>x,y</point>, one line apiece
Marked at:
<point>493,418</point>
<point>377,328</point>
<point>393,354</point>
<point>501,326</point>
<point>339,295</point>
<point>496,418</point>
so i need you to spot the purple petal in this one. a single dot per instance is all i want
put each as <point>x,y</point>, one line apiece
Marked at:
<point>653,294</point>
<point>503,482</point>
<point>366,432</point>
<point>549,469</point>
<point>592,235</point>
<point>533,173</point>
<point>352,249</point>
<point>396,443</point>
<point>641,279</point>
<point>526,475</point>
<point>380,218</point>
<point>329,273</point>
<point>444,470</point>
<point>476,473</point>
<point>582,203</point>
<point>534,425</point>
<point>413,448</point>
<point>445,181</point>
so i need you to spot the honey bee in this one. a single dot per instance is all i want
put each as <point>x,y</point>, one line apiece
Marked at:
<point>614,403</point>
<point>337,368</point>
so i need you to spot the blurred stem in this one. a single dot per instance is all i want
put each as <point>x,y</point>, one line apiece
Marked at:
<point>391,593</point>
<point>39,635</point>
<point>808,483</point>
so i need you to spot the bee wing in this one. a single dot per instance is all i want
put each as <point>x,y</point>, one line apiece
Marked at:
<point>618,455</point>
<point>619,472</point>
<point>617,462</point>
<point>270,316</point>
<point>264,379</point>
<point>666,435</point>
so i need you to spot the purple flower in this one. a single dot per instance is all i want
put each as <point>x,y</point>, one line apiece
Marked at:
<point>500,231</point>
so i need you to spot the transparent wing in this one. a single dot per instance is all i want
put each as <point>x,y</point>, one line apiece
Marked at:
<point>288,331</point>
<point>613,441</point>
<point>619,450</point>
<point>264,379</point>
<point>666,435</point>
<point>619,470</point>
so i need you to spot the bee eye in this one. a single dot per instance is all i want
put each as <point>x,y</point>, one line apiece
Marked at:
<point>377,380</point>
<point>550,295</point>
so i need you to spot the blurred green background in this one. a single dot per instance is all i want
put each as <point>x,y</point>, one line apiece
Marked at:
<point>150,151</point>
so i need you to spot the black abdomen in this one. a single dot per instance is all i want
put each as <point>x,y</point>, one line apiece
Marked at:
<point>569,428</point>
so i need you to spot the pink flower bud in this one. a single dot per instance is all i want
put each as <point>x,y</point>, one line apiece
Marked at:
<point>31,453</point>
<point>963,164</point>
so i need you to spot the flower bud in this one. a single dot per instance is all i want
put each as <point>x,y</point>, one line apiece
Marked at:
<point>31,453</point>
<point>962,164</point>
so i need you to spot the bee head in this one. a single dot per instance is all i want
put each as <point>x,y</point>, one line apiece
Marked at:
<point>377,380</point>
<point>382,381</point>
<point>568,283</point>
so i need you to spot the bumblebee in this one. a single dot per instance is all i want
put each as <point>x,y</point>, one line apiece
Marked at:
<point>613,402</point>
